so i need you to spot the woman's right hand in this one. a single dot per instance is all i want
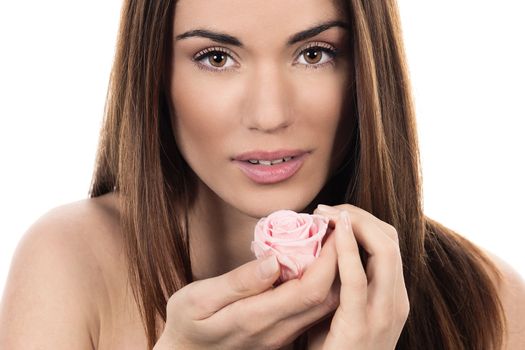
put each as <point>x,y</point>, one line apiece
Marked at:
<point>241,310</point>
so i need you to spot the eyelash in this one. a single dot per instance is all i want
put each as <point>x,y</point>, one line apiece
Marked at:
<point>323,47</point>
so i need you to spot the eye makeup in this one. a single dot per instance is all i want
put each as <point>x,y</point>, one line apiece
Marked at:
<point>322,48</point>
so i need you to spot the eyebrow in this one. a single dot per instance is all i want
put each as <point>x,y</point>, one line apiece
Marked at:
<point>231,40</point>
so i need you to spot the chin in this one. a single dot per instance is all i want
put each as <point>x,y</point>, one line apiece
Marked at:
<point>258,201</point>
<point>257,206</point>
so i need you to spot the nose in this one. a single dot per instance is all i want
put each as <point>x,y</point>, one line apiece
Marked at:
<point>268,100</point>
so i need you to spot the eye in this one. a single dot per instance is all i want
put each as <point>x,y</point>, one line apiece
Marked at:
<point>218,59</point>
<point>214,59</point>
<point>317,55</point>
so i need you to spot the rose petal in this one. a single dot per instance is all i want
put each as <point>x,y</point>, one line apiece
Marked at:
<point>317,237</point>
<point>293,266</point>
<point>295,238</point>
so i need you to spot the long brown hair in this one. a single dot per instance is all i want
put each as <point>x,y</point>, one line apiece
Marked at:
<point>451,284</point>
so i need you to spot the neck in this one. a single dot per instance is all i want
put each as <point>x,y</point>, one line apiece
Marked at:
<point>220,235</point>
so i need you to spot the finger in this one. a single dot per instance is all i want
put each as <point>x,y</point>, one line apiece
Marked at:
<point>312,289</point>
<point>351,272</point>
<point>378,235</point>
<point>316,318</point>
<point>387,228</point>
<point>296,303</point>
<point>385,278</point>
<point>205,297</point>
<point>383,264</point>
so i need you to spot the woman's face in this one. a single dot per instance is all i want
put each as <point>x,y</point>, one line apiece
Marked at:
<point>248,76</point>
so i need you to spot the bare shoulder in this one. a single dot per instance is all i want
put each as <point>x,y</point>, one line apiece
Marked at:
<point>512,295</point>
<point>56,280</point>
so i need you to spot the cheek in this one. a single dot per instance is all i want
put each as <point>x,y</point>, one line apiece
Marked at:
<point>201,112</point>
<point>322,103</point>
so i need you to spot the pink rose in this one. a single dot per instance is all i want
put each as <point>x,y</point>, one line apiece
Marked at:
<point>294,238</point>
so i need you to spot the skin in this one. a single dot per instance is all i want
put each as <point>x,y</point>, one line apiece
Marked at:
<point>268,99</point>
<point>72,257</point>
<point>267,95</point>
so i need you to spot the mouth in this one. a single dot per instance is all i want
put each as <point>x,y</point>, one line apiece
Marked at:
<point>269,158</point>
<point>271,171</point>
<point>271,162</point>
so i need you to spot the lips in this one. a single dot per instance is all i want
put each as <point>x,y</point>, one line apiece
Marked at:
<point>271,174</point>
<point>266,155</point>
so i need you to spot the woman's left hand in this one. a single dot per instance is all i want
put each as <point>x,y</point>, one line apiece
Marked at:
<point>374,305</point>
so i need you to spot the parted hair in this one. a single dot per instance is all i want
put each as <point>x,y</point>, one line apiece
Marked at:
<point>452,285</point>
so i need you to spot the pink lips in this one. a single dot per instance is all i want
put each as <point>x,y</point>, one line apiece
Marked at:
<point>267,174</point>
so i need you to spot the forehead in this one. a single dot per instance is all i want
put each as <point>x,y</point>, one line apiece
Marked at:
<point>261,20</point>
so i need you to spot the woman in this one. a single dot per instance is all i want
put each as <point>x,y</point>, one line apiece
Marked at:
<point>159,255</point>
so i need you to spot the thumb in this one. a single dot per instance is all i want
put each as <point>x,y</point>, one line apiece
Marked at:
<point>246,280</point>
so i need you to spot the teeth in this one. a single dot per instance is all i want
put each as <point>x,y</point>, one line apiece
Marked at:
<point>270,162</point>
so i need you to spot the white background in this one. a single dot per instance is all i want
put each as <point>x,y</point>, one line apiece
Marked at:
<point>467,66</point>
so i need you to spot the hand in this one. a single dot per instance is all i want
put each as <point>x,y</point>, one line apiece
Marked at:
<point>241,310</point>
<point>374,305</point>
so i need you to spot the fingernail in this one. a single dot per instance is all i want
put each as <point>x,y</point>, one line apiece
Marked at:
<point>268,267</point>
<point>326,208</point>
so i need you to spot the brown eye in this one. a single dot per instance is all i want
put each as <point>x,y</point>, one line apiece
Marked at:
<point>217,59</point>
<point>317,56</point>
<point>313,55</point>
